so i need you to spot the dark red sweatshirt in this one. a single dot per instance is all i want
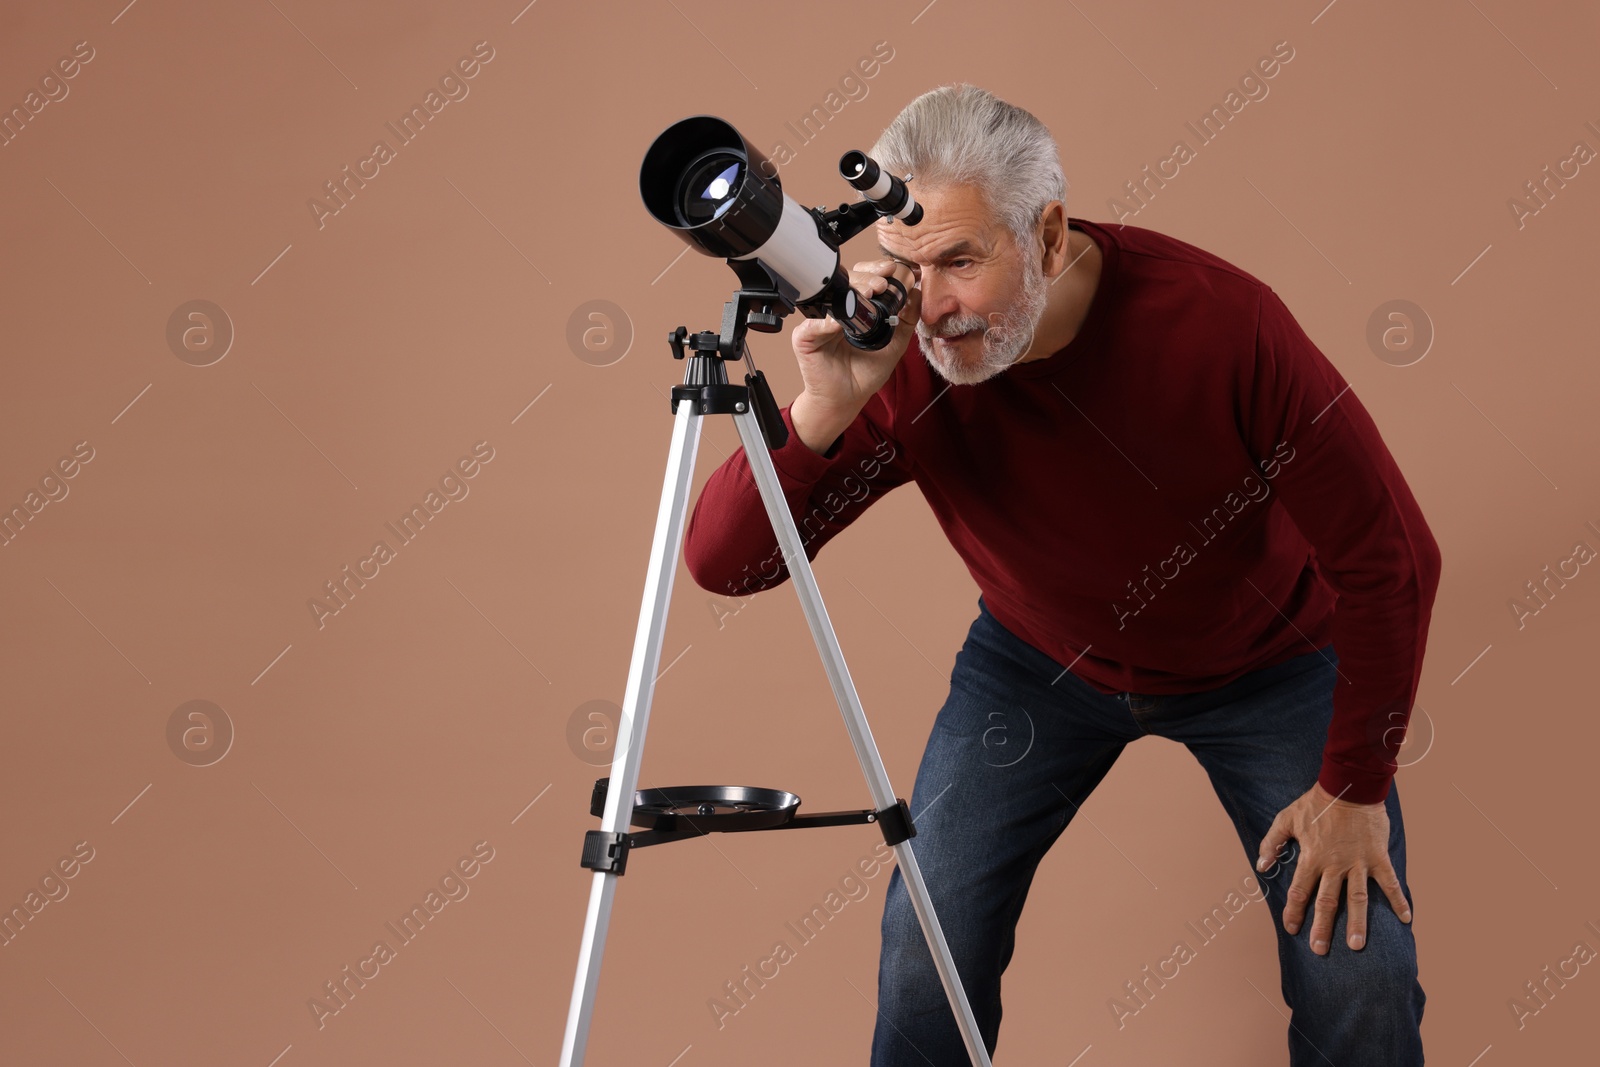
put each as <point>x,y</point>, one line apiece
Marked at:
<point>1188,491</point>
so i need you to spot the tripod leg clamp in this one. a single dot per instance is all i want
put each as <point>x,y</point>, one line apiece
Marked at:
<point>895,823</point>
<point>605,852</point>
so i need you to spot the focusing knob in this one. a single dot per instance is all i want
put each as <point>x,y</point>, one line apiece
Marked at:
<point>764,322</point>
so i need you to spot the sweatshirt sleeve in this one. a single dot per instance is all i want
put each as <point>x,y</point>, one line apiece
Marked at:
<point>729,544</point>
<point>1345,493</point>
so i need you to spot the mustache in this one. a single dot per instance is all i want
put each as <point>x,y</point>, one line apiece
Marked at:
<point>957,327</point>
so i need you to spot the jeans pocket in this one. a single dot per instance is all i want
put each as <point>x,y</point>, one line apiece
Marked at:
<point>1140,704</point>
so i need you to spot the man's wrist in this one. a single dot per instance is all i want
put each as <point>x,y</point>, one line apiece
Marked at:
<point>1327,799</point>
<point>818,430</point>
<point>1353,785</point>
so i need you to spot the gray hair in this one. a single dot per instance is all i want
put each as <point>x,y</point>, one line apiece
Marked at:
<point>963,135</point>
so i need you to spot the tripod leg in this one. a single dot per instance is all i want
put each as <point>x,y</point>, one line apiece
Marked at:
<point>666,548</point>
<point>855,721</point>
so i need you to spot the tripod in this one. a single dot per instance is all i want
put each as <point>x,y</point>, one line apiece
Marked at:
<point>691,811</point>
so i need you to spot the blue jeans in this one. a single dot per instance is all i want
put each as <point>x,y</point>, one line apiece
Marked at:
<point>1020,743</point>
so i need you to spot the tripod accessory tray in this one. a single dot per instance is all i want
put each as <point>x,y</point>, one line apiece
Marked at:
<point>680,812</point>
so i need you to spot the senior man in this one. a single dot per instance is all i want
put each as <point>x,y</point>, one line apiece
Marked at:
<point>1182,523</point>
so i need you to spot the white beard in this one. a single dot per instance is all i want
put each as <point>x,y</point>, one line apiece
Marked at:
<point>1003,344</point>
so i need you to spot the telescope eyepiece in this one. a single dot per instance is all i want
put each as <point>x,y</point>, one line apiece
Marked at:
<point>888,194</point>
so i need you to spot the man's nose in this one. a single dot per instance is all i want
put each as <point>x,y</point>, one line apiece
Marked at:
<point>938,301</point>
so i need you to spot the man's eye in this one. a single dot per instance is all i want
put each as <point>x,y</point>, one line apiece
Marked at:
<point>958,262</point>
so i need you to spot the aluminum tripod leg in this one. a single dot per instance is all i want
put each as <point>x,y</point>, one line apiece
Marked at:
<point>855,721</point>
<point>666,549</point>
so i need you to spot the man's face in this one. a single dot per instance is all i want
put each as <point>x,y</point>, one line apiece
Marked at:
<point>982,297</point>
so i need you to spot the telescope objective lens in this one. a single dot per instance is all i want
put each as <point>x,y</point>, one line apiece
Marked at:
<point>709,188</point>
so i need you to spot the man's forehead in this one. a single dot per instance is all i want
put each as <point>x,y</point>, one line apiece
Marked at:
<point>955,221</point>
<point>940,250</point>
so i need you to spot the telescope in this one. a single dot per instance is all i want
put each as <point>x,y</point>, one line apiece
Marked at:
<point>711,187</point>
<point>705,182</point>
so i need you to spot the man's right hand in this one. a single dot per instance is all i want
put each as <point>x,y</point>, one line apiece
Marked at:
<point>839,378</point>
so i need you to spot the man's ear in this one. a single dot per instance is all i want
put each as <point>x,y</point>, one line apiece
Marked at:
<point>1052,234</point>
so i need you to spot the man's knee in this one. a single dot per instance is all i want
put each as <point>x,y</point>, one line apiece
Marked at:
<point>1381,975</point>
<point>906,958</point>
<point>1352,1003</point>
<point>905,949</point>
<point>908,981</point>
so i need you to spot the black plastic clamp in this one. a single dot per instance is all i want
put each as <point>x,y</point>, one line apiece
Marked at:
<point>604,851</point>
<point>711,399</point>
<point>896,823</point>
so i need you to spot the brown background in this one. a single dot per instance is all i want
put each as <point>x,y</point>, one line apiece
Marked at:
<point>371,353</point>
